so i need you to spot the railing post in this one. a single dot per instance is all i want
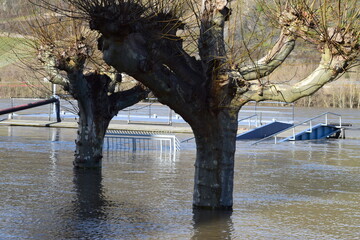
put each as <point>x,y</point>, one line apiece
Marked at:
<point>11,115</point>
<point>51,110</point>
<point>293,133</point>
<point>326,119</point>
<point>174,143</point>
<point>134,144</point>
<point>170,116</point>
<point>57,109</point>
<point>170,146</point>
<point>128,116</point>
<point>340,120</point>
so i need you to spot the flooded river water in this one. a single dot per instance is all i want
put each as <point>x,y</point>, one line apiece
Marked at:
<point>302,190</point>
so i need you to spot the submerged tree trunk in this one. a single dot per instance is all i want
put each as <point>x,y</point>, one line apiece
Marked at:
<point>96,109</point>
<point>214,167</point>
<point>94,117</point>
<point>90,137</point>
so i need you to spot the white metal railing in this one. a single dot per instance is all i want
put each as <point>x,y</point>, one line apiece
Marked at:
<point>249,118</point>
<point>148,113</point>
<point>269,111</point>
<point>134,136</point>
<point>310,121</point>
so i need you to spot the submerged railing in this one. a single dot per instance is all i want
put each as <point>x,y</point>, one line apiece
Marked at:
<point>142,141</point>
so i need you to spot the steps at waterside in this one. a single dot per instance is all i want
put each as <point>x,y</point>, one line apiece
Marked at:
<point>318,131</point>
<point>264,131</point>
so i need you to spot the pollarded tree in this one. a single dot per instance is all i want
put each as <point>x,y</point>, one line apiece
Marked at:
<point>66,51</point>
<point>142,39</point>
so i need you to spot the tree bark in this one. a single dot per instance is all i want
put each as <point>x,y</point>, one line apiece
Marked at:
<point>90,135</point>
<point>94,117</point>
<point>89,142</point>
<point>214,167</point>
<point>96,109</point>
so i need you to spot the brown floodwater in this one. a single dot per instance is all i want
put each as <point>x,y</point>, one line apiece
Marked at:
<point>302,190</point>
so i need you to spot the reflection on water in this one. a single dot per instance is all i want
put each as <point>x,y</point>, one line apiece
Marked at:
<point>212,225</point>
<point>306,190</point>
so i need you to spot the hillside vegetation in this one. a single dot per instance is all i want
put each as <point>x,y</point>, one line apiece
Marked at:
<point>11,49</point>
<point>15,80</point>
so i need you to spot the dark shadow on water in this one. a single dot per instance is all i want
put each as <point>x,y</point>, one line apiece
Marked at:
<point>210,224</point>
<point>89,192</point>
<point>89,206</point>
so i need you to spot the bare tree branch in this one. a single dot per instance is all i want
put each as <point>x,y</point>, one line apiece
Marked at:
<point>124,99</point>
<point>330,68</point>
<point>272,60</point>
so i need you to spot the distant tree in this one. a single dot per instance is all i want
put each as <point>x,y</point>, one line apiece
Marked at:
<point>67,55</point>
<point>15,8</point>
<point>195,70</point>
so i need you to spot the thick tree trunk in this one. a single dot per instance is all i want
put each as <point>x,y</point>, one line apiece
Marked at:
<point>96,109</point>
<point>89,142</point>
<point>214,167</point>
<point>90,136</point>
<point>95,114</point>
